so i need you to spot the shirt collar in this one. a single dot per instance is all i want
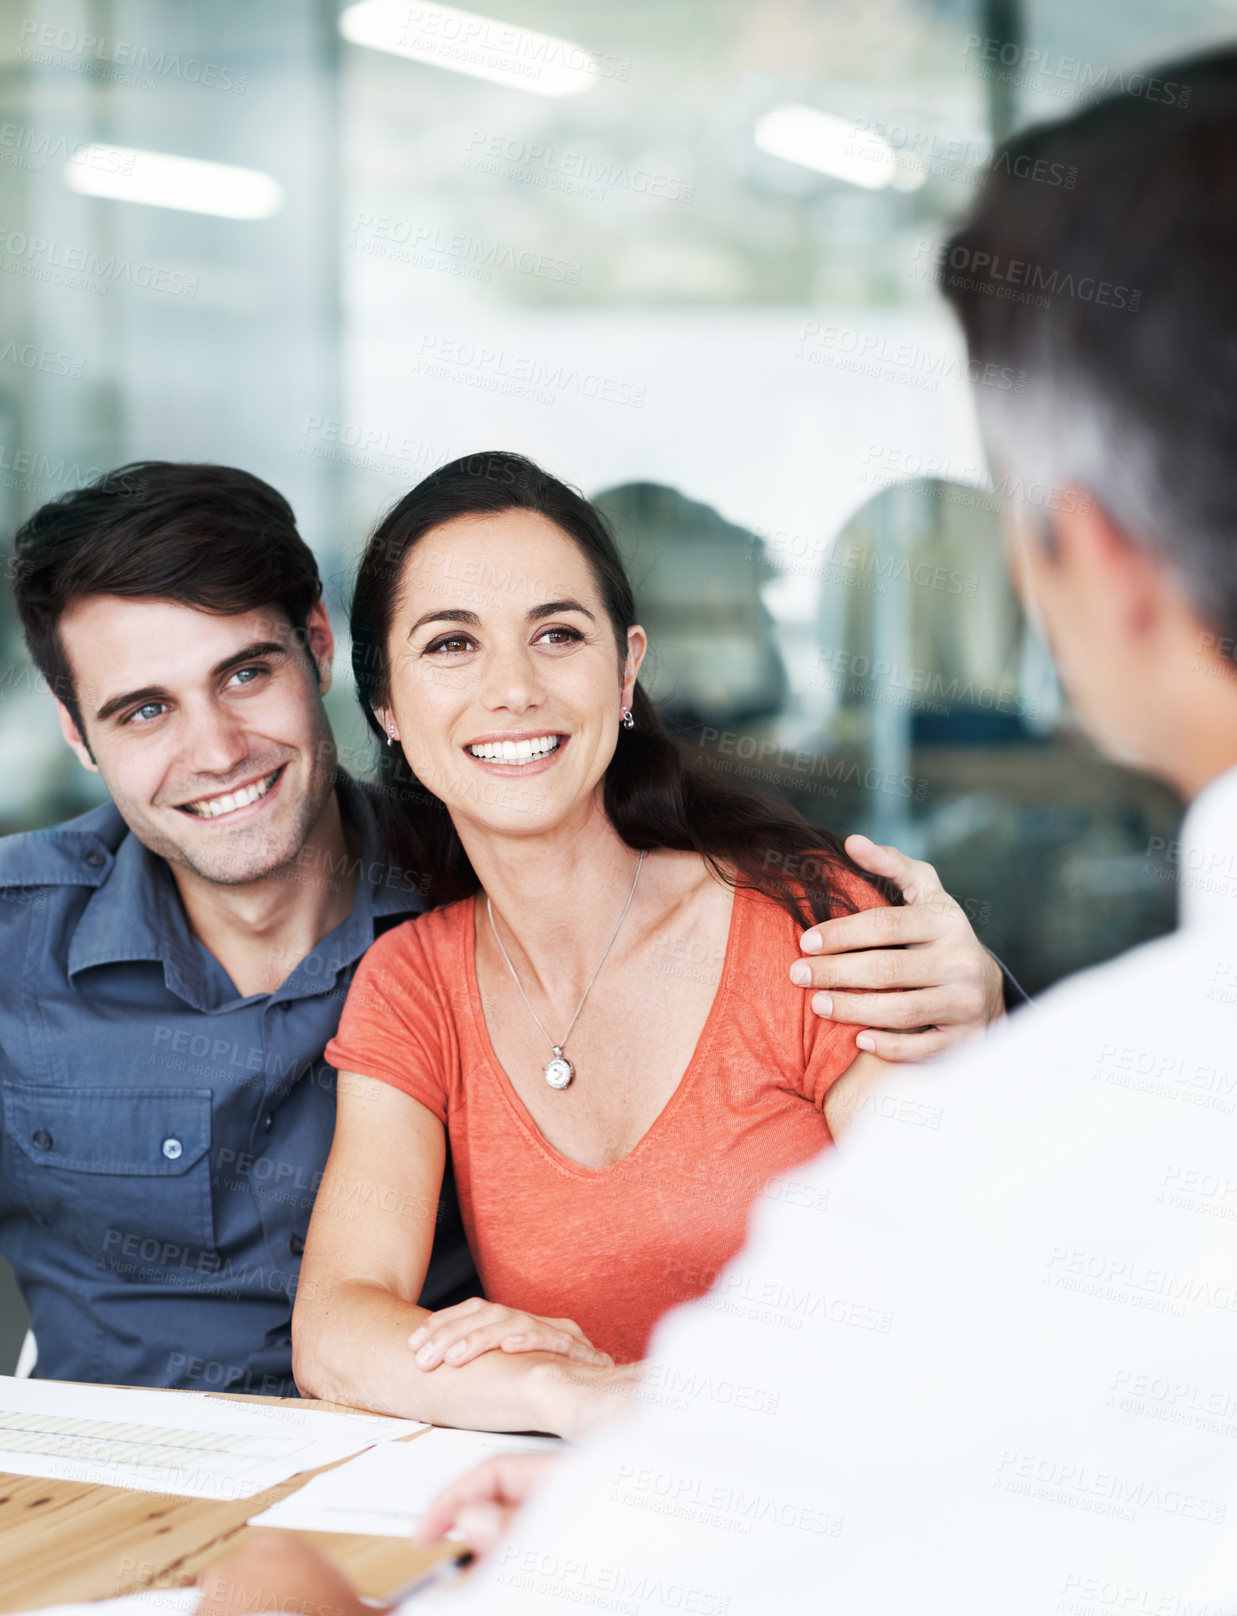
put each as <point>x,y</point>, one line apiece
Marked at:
<point>383,890</point>
<point>136,914</point>
<point>1207,856</point>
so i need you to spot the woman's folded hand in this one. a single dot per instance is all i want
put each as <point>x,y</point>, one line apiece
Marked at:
<point>456,1335</point>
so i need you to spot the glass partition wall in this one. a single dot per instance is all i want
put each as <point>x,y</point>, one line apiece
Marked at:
<point>680,251</point>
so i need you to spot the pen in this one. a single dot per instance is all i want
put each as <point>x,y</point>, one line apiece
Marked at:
<point>442,1571</point>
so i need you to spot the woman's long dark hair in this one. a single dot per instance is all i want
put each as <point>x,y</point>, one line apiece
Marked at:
<point>653,795</point>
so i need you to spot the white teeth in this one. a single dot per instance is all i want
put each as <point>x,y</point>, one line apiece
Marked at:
<point>213,807</point>
<point>515,751</point>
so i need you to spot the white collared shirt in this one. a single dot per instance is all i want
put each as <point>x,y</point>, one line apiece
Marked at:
<point>979,1360</point>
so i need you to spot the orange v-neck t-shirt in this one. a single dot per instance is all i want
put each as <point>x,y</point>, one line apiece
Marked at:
<point>610,1247</point>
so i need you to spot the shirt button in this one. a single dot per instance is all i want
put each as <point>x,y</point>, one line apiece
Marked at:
<point>94,858</point>
<point>296,1245</point>
<point>172,1149</point>
<point>267,1120</point>
<point>43,1140</point>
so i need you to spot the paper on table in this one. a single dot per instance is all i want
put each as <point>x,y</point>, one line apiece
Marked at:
<point>172,1442</point>
<point>388,1489</point>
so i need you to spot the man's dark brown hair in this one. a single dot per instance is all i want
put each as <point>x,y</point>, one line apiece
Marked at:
<point>211,537</point>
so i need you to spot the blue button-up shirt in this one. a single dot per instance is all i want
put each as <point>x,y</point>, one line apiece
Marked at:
<point>162,1139</point>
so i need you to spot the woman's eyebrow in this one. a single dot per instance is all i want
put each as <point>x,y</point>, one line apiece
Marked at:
<point>448,614</point>
<point>551,608</point>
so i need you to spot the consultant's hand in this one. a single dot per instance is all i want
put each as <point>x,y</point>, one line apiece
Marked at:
<point>479,1505</point>
<point>278,1571</point>
<point>456,1335</point>
<point>940,984</point>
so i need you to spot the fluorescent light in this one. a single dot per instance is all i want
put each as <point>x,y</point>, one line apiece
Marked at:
<point>164,181</point>
<point>464,42</point>
<point>837,147</point>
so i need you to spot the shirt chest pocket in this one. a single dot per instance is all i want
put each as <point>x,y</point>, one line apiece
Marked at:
<point>124,1173</point>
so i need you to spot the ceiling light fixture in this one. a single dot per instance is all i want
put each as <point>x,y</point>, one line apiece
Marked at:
<point>464,42</point>
<point>837,147</point>
<point>161,180</point>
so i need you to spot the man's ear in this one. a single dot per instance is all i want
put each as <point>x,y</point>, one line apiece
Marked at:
<point>1088,549</point>
<point>320,643</point>
<point>71,733</point>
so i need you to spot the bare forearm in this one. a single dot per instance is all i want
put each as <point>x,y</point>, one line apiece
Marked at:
<point>845,1097</point>
<point>356,1351</point>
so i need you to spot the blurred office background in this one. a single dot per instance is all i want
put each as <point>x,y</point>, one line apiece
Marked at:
<point>681,252</point>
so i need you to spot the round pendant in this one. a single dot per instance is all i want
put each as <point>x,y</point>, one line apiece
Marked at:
<point>558,1070</point>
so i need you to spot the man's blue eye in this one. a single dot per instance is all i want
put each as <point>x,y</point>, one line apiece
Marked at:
<point>150,709</point>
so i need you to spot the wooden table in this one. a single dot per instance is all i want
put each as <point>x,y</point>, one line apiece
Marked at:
<point>63,1541</point>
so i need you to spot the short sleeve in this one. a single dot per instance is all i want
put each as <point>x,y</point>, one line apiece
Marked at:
<point>829,1046</point>
<point>393,1027</point>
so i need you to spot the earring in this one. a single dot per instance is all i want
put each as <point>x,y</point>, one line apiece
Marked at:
<point>627,721</point>
<point>391,735</point>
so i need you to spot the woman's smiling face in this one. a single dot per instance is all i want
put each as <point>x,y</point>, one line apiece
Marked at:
<point>506,683</point>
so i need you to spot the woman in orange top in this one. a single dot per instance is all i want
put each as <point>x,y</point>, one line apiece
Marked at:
<point>591,1024</point>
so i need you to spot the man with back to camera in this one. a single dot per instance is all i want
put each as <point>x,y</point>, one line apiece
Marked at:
<point>1000,1374</point>
<point>176,960</point>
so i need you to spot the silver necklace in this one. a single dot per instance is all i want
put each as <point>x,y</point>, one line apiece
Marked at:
<point>558,1069</point>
